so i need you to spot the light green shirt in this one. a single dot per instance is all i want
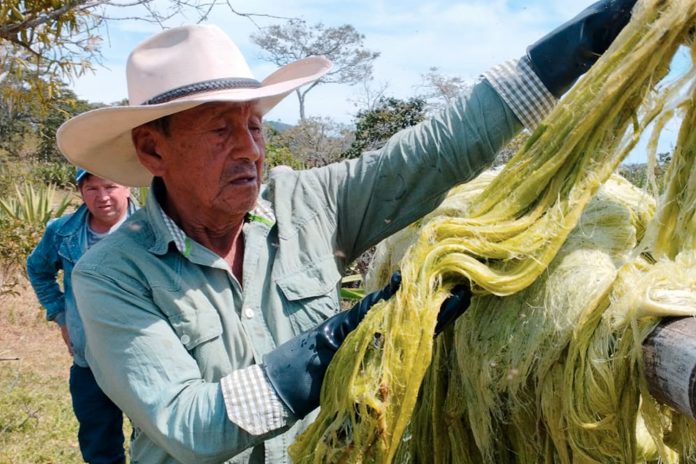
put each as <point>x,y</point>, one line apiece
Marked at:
<point>171,323</point>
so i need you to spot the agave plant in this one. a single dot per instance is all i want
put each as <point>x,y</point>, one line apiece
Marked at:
<point>34,205</point>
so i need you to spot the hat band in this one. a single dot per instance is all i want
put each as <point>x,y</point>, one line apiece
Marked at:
<point>204,86</point>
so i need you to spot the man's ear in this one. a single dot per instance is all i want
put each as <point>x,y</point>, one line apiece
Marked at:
<point>146,140</point>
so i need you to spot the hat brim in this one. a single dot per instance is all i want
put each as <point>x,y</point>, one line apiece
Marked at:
<point>100,140</point>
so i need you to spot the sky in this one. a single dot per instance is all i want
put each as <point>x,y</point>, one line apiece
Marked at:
<point>461,38</point>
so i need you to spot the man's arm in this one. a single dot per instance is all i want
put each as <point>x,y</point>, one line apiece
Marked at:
<point>146,370</point>
<point>43,265</point>
<point>382,192</point>
<point>409,177</point>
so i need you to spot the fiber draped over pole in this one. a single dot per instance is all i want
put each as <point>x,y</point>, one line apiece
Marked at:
<point>545,365</point>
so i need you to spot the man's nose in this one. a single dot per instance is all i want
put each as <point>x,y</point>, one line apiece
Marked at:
<point>246,145</point>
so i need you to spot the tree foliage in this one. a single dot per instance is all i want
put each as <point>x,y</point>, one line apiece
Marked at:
<point>45,42</point>
<point>374,127</point>
<point>63,105</point>
<point>15,126</point>
<point>650,178</point>
<point>314,142</point>
<point>295,39</point>
<point>28,129</point>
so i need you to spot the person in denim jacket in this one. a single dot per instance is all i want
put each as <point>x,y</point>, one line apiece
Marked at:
<point>212,314</point>
<point>106,205</point>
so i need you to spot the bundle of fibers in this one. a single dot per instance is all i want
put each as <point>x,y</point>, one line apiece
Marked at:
<point>507,238</point>
<point>519,222</point>
<point>554,373</point>
<point>469,402</point>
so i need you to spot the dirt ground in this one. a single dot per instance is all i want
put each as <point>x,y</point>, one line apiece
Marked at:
<point>26,337</point>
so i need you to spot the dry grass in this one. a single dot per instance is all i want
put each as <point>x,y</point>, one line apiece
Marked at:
<point>36,419</point>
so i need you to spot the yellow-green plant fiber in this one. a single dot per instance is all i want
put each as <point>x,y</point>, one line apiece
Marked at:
<point>574,391</point>
<point>507,348</point>
<point>504,242</point>
<point>519,222</point>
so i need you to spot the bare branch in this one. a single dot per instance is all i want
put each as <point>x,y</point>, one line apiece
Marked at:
<point>36,19</point>
<point>342,45</point>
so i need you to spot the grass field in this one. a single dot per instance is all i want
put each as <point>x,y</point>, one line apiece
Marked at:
<point>36,419</point>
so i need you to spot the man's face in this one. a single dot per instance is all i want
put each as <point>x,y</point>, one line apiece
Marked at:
<point>107,201</point>
<point>212,158</point>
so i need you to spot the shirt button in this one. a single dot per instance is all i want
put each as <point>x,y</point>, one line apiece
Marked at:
<point>185,339</point>
<point>248,313</point>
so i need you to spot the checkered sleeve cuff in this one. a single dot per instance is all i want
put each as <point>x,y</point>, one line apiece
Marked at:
<point>520,87</point>
<point>251,402</point>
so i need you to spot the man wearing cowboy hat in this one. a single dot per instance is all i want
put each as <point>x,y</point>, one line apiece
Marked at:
<point>106,205</point>
<point>217,301</point>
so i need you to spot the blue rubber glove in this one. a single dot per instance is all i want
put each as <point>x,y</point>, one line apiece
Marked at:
<point>566,53</point>
<point>296,369</point>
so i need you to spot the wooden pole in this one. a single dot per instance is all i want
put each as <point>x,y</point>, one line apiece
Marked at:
<point>669,353</point>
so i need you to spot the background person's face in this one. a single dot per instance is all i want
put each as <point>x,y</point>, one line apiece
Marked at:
<point>107,201</point>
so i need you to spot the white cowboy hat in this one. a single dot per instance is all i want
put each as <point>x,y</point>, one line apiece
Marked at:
<point>170,72</point>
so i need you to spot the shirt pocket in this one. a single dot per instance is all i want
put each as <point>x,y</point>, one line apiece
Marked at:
<point>310,293</point>
<point>192,316</point>
<point>199,328</point>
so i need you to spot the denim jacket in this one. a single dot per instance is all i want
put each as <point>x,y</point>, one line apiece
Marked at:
<point>62,244</point>
<point>166,319</point>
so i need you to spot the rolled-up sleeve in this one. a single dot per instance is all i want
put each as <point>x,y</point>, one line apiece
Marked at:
<point>251,401</point>
<point>520,87</point>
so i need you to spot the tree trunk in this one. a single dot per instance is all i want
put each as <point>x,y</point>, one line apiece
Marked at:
<point>301,100</point>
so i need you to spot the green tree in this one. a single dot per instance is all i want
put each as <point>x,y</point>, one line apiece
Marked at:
<point>28,129</point>
<point>640,175</point>
<point>63,106</point>
<point>315,142</point>
<point>277,153</point>
<point>43,42</point>
<point>374,127</point>
<point>15,126</point>
<point>295,39</point>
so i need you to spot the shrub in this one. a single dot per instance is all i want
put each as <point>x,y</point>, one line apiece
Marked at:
<point>62,175</point>
<point>17,239</point>
<point>10,171</point>
<point>34,206</point>
<point>23,219</point>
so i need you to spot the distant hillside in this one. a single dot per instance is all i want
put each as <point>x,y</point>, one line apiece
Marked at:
<point>279,126</point>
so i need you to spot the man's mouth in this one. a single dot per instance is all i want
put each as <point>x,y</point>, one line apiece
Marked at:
<point>243,180</point>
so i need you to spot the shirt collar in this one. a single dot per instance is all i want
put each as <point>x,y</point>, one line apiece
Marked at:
<point>261,214</point>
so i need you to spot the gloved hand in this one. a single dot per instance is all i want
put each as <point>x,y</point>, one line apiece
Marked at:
<point>563,55</point>
<point>296,368</point>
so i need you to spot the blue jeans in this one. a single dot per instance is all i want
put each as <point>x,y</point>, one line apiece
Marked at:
<point>101,422</point>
